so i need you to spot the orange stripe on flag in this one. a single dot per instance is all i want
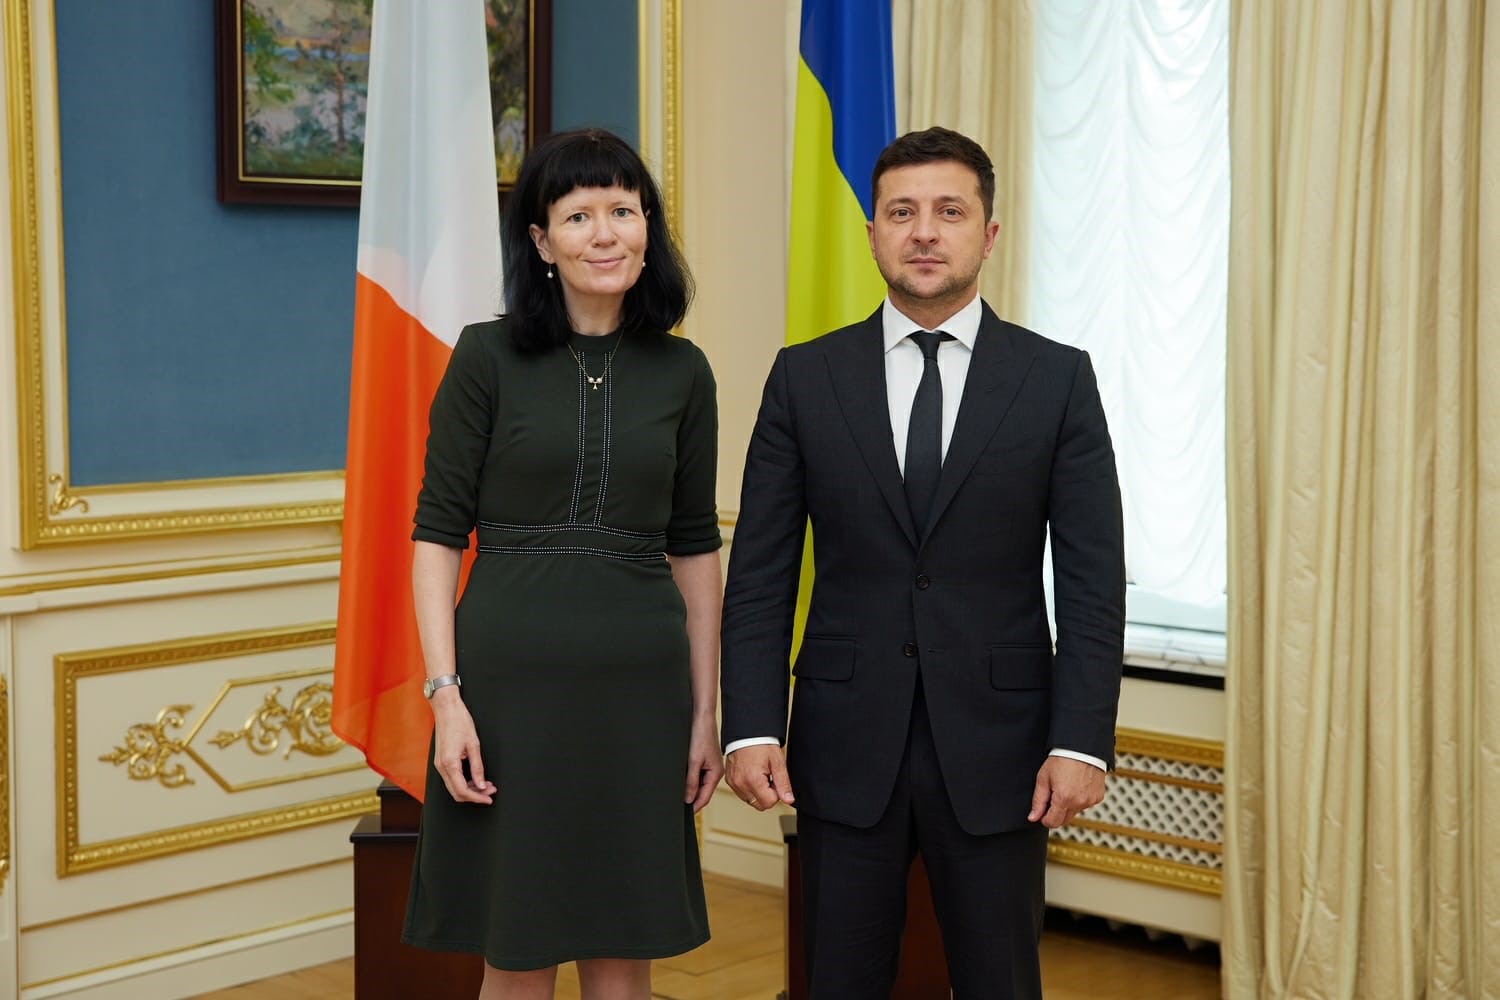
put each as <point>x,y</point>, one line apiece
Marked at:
<point>429,263</point>
<point>378,662</point>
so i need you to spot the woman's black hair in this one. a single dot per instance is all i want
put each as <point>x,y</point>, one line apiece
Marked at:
<point>590,157</point>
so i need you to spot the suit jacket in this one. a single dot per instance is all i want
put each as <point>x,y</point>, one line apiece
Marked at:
<point>959,606</point>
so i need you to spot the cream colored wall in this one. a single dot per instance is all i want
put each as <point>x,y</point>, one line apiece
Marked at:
<point>735,195</point>
<point>735,93</point>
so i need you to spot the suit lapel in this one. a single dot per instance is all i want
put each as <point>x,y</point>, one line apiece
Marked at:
<point>857,370</point>
<point>996,372</point>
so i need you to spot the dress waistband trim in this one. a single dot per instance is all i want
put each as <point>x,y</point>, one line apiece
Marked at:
<point>572,539</point>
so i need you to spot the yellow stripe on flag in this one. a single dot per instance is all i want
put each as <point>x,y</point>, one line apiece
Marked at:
<point>832,279</point>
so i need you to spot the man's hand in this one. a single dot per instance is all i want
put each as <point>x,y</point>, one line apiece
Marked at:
<point>1064,788</point>
<point>758,776</point>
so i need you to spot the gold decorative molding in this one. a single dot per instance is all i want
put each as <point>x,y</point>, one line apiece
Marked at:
<point>4,783</point>
<point>1134,866</point>
<point>659,45</point>
<point>51,513</point>
<point>91,577</point>
<point>314,709</point>
<point>1207,753</point>
<point>182,522</point>
<point>62,499</point>
<point>148,749</point>
<point>309,722</point>
<point>175,840</point>
<point>26,260</point>
<point>74,856</point>
<point>671,89</point>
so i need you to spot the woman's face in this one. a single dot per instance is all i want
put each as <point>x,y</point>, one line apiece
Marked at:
<point>595,241</point>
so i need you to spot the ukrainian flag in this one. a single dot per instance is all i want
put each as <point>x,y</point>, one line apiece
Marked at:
<point>846,114</point>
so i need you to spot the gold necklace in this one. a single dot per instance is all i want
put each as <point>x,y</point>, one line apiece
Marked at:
<point>609,358</point>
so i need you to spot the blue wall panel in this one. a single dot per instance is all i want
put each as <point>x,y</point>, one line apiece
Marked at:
<point>203,339</point>
<point>211,340</point>
<point>595,58</point>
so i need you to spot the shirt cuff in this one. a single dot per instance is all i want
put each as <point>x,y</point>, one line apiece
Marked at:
<point>754,741</point>
<point>1075,755</point>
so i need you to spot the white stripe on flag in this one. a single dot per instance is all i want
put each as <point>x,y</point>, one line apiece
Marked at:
<point>429,210</point>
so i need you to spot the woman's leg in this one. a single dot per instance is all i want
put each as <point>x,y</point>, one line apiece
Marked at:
<point>536,984</point>
<point>615,978</point>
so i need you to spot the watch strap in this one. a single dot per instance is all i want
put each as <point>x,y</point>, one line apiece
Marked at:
<point>431,685</point>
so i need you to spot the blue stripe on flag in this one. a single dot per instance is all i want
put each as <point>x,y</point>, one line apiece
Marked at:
<point>847,46</point>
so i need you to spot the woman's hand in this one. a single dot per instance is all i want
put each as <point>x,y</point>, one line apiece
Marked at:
<point>458,742</point>
<point>705,765</point>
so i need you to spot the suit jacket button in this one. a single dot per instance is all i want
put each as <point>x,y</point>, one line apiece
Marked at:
<point>923,582</point>
<point>909,649</point>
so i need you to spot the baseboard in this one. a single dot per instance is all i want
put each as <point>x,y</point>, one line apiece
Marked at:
<point>212,966</point>
<point>749,859</point>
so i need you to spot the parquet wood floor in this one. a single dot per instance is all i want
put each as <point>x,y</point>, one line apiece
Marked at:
<point>1081,960</point>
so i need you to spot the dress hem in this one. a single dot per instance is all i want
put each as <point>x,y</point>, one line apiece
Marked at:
<point>530,963</point>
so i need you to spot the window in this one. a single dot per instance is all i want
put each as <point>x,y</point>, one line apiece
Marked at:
<point>1129,260</point>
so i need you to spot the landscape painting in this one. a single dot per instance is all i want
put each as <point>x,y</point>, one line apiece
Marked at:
<point>294,81</point>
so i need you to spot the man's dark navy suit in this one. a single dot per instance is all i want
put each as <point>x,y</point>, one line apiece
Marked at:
<point>955,606</point>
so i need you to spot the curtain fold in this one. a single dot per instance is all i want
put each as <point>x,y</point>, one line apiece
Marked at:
<point>1363,751</point>
<point>967,65</point>
<point>1129,260</point>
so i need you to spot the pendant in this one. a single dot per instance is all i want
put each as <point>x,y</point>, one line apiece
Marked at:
<point>594,383</point>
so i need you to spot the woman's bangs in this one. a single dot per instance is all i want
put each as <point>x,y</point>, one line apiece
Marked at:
<point>588,163</point>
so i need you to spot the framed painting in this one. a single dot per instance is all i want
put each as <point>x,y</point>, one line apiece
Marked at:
<point>292,78</point>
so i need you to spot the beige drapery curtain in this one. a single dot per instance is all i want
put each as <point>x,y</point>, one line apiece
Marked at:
<point>1363,796</point>
<point>966,65</point>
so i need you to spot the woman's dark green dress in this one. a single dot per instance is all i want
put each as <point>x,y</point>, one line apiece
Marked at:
<point>572,646</point>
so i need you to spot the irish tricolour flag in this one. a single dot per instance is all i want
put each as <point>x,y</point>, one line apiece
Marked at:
<point>429,263</point>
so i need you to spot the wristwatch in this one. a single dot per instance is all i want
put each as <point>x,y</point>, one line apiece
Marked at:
<point>431,684</point>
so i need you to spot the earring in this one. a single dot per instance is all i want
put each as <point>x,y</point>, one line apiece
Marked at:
<point>549,270</point>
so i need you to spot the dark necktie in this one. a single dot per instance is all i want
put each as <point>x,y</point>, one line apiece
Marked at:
<point>924,435</point>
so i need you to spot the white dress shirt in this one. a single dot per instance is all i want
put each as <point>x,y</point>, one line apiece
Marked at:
<point>903,371</point>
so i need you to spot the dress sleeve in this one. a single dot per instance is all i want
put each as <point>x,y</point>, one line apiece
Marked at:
<point>694,526</point>
<point>458,438</point>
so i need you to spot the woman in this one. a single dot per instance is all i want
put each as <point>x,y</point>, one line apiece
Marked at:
<point>574,687</point>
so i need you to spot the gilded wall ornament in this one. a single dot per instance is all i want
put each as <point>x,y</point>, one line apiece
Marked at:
<point>307,724</point>
<point>148,749</point>
<point>63,499</point>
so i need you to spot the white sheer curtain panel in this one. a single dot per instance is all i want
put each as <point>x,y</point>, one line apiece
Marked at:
<point>1129,260</point>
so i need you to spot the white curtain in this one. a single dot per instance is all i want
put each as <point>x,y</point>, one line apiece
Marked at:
<point>1129,258</point>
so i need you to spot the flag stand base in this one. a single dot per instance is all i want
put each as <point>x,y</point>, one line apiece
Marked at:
<point>385,845</point>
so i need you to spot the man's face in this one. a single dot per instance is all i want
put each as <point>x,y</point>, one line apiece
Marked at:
<point>929,235</point>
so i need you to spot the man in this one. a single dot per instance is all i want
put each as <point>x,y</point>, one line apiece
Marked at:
<point>932,446</point>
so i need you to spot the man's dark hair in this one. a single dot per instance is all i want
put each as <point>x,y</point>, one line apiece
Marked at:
<point>936,145</point>
<point>590,157</point>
